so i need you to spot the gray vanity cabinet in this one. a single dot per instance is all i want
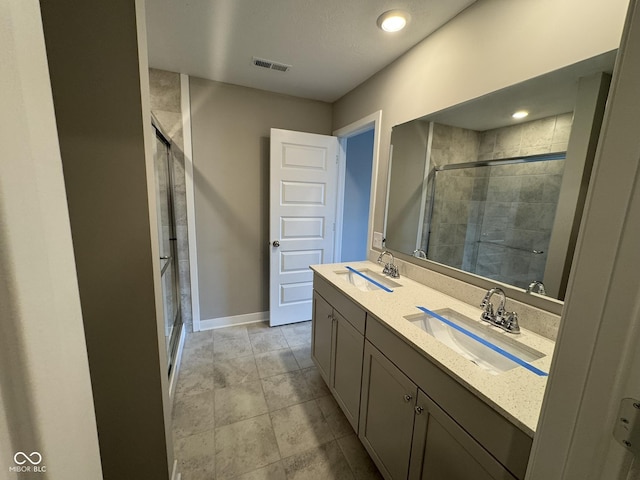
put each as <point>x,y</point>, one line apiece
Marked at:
<point>387,414</point>
<point>337,346</point>
<point>441,449</point>
<point>346,376</point>
<point>409,436</point>
<point>322,335</point>
<point>414,419</point>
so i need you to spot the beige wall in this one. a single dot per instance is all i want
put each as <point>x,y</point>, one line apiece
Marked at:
<point>492,44</point>
<point>230,136</point>
<point>46,404</point>
<point>97,61</point>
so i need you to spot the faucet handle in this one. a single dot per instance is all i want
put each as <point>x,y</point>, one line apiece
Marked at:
<point>485,301</point>
<point>487,313</point>
<point>393,271</point>
<point>510,323</point>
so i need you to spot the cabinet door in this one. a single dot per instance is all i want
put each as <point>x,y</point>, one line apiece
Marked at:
<point>442,450</point>
<point>387,413</point>
<point>348,347</point>
<point>322,336</point>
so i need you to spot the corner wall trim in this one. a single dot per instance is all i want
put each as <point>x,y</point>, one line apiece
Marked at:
<point>185,104</point>
<point>222,322</point>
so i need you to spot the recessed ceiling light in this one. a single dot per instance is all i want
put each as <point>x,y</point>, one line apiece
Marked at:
<point>520,114</point>
<point>393,20</point>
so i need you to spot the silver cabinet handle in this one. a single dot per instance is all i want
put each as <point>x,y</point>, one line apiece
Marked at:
<point>164,258</point>
<point>276,243</point>
<point>419,409</point>
<point>407,397</point>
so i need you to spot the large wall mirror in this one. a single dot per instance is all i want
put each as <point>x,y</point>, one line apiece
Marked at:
<point>474,189</point>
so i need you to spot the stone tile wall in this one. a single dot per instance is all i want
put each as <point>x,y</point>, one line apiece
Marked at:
<point>546,135</point>
<point>518,213</point>
<point>488,220</point>
<point>454,190</point>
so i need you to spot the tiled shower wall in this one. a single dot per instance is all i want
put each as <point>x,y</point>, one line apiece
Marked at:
<point>546,135</point>
<point>166,106</point>
<point>517,218</point>
<point>454,192</point>
<point>480,212</point>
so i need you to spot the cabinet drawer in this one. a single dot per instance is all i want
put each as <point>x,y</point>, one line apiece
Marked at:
<point>355,315</point>
<point>507,443</point>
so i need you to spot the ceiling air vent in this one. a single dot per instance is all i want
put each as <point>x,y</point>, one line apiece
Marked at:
<point>261,62</point>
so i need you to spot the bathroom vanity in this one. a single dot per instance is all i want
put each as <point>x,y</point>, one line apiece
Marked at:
<point>421,409</point>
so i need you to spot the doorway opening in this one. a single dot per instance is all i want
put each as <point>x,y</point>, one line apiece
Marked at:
<point>358,168</point>
<point>357,193</point>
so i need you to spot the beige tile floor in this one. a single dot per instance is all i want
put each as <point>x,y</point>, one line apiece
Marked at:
<point>250,405</point>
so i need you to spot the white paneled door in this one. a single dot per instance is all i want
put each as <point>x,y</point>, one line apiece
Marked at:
<point>302,218</point>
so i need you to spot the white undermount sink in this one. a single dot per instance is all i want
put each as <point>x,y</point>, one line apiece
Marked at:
<point>367,280</point>
<point>489,348</point>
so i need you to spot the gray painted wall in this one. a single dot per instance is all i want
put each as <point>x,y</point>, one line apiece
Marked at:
<point>357,192</point>
<point>410,142</point>
<point>97,61</point>
<point>46,402</point>
<point>230,136</point>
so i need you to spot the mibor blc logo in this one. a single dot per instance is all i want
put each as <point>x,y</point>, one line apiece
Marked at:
<point>28,463</point>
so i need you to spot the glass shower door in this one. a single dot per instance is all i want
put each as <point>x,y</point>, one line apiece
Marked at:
<point>167,243</point>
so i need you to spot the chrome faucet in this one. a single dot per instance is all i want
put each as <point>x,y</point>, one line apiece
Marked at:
<point>508,321</point>
<point>391,268</point>
<point>536,285</point>
<point>419,253</point>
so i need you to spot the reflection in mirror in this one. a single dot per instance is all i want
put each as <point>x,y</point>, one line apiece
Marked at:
<point>494,219</point>
<point>474,189</point>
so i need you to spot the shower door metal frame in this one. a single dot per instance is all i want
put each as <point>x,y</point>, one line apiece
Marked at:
<point>433,175</point>
<point>177,322</point>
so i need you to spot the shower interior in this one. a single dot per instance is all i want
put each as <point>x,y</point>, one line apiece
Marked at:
<point>493,218</point>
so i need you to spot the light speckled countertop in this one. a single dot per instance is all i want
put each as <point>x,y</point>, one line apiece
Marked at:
<point>516,394</point>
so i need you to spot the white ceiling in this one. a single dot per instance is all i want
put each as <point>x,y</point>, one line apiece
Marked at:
<point>332,45</point>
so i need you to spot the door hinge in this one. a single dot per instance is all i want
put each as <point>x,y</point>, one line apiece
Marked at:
<point>337,160</point>
<point>627,429</point>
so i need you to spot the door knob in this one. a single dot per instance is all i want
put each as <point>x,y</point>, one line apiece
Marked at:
<point>419,409</point>
<point>276,243</point>
<point>408,398</point>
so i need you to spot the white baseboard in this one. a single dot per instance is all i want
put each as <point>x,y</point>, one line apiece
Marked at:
<point>222,322</point>
<point>173,378</point>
